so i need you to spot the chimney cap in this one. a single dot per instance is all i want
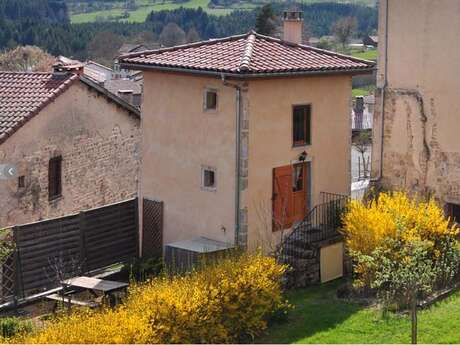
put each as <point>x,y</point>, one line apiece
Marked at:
<point>292,15</point>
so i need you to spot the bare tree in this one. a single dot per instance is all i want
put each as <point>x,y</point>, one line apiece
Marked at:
<point>361,143</point>
<point>344,29</point>
<point>104,46</point>
<point>270,229</point>
<point>145,37</point>
<point>26,59</point>
<point>61,267</point>
<point>172,35</point>
<point>193,35</point>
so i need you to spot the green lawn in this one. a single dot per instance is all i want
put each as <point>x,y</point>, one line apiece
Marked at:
<point>365,91</point>
<point>319,317</point>
<point>370,54</point>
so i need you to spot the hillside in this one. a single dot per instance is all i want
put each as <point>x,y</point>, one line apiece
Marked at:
<point>84,11</point>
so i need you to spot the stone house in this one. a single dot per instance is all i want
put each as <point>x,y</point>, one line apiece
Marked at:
<point>249,131</point>
<point>67,143</point>
<point>416,126</point>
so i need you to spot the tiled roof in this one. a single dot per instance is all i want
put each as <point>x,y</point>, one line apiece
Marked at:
<point>250,54</point>
<point>23,95</point>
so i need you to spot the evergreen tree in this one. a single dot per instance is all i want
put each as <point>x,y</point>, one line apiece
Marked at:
<point>265,21</point>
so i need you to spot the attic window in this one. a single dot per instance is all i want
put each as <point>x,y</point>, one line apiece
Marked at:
<point>208,178</point>
<point>210,100</point>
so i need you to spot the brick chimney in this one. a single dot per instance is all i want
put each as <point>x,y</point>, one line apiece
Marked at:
<point>293,26</point>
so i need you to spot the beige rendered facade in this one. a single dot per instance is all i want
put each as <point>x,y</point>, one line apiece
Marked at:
<point>99,145</point>
<point>180,138</point>
<point>416,123</point>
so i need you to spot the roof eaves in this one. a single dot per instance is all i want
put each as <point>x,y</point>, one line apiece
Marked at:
<point>248,75</point>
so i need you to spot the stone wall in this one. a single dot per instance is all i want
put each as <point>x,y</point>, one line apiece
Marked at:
<point>99,145</point>
<point>415,157</point>
<point>306,267</point>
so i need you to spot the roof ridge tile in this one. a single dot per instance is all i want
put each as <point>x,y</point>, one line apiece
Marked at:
<point>246,59</point>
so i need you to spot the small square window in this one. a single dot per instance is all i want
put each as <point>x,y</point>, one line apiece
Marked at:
<point>208,178</point>
<point>21,181</point>
<point>210,100</point>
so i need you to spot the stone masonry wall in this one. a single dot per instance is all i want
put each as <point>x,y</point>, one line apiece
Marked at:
<point>414,158</point>
<point>99,145</point>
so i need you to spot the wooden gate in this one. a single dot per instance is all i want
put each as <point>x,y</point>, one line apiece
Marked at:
<point>152,228</point>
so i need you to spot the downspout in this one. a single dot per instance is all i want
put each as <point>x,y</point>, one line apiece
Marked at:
<point>384,87</point>
<point>237,154</point>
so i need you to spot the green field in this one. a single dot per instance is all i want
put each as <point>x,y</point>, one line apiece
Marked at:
<point>319,317</point>
<point>370,54</point>
<point>147,6</point>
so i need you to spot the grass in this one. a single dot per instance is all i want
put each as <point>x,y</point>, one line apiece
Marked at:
<point>365,91</point>
<point>370,54</point>
<point>144,10</point>
<point>319,317</point>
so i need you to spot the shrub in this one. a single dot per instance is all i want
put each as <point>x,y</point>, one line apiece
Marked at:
<point>396,217</point>
<point>13,326</point>
<point>225,302</point>
<point>143,268</point>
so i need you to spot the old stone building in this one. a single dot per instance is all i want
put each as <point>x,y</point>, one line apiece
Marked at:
<point>69,145</point>
<point>416,122</point>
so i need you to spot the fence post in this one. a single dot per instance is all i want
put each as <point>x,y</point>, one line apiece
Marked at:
<point>82,228</point>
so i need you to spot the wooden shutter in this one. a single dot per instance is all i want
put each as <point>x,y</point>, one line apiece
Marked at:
<point>54,178</point>
<point>289,204</point>
<point>282,197</point>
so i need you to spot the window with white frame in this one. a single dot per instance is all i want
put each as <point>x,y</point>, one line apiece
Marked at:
<point>208,178</point>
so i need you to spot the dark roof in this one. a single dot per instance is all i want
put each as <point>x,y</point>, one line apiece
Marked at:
<point>23,95</point>
<point>250,54</point>
<point>115,85</point>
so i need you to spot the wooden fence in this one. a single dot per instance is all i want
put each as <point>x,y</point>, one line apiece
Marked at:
<point>51,250</point>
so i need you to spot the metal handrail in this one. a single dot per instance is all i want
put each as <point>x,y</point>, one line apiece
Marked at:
<point>321,222</point>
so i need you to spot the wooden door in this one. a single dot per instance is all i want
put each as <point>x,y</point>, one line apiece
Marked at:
<point>289,195</point>
<point>299,192</point>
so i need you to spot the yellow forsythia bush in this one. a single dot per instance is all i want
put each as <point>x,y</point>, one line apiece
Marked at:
<point>221,303</point>
<point>393,215</point>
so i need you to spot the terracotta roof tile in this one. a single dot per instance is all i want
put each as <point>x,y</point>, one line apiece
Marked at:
<point>249,54</point>
<point>23,95</point>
